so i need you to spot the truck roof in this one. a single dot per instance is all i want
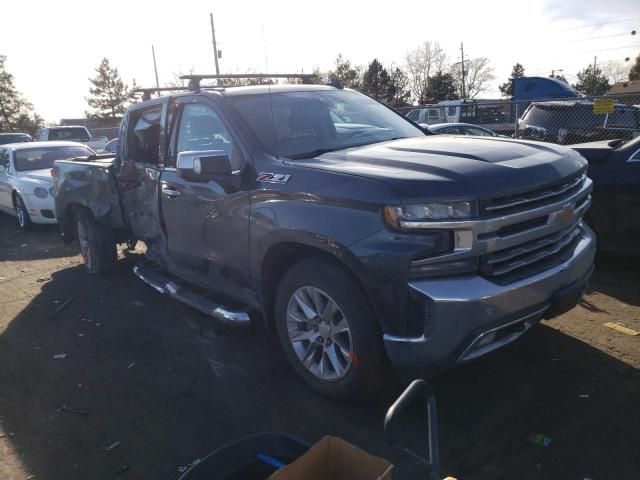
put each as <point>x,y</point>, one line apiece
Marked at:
<point>222,92</point>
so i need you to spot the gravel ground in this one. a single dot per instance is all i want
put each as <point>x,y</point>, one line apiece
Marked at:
<point>144,371</point>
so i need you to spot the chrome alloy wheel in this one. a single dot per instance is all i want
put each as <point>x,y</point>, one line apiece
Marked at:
<point>21,213</point>
<point>319,333</point>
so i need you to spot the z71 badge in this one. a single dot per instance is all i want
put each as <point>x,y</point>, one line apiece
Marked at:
<point>273,177</point>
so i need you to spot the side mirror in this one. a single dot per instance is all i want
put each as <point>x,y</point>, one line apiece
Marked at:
<point>204,165</point>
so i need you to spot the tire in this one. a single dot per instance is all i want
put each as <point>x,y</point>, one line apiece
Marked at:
<point>97,245</point>
<point>22,214</point>
<point>349,364</point>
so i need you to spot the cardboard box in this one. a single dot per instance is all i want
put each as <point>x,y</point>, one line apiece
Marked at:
<point>334,459</point>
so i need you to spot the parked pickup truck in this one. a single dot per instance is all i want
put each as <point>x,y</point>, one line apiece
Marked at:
<point>72,134</point>
<point>355,245</point>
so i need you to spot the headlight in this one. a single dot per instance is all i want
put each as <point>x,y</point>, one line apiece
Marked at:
<point>412,216</point>
<point>40,192</point>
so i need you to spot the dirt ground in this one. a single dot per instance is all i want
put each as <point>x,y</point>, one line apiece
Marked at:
<point>144,371</point>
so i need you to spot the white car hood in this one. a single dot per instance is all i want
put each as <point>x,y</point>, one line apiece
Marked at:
<point>43,175</point>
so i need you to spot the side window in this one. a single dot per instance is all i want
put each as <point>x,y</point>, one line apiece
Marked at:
<point>476,131</point>
<point>202,129</point>
<point>143,143</point>
<point>4,159</point>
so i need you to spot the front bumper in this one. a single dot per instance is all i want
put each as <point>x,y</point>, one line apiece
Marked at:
<point>469,316</point>
<point>41,210</point>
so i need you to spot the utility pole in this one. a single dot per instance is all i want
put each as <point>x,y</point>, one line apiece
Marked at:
<point>462,66</point>
<point>215,47</point>
<point>595,62</point>
<point>155,69</point>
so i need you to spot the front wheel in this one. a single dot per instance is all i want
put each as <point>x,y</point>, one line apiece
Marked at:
<point>328,331</point>
<point>22,214</point>
<point>97,246</point>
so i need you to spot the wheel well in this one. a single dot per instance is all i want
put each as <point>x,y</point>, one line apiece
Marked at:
<point>14,196</point>
<point>68,226</point>
<point>281,258</point>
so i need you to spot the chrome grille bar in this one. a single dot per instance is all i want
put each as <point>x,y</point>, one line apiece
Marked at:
<point>536,256</point>
<point>538,195</point>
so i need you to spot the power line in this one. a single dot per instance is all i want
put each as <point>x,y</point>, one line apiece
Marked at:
<point>633,32</point>
<point>607,49</point>
<point>600,24</point>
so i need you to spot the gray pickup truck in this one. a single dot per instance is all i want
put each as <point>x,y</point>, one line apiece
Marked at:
<point>356,238</point>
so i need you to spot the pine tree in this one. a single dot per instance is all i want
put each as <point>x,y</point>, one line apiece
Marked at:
<point>560,77</point>
<point>507,88</point>
<point>346,74</point>
<point>592,82</point>
<point>376,82</point>
<point>634,73</point>
<point>400,83</point>
<point>442,86</point>
<point>109,95</point>
<point>16,114</point>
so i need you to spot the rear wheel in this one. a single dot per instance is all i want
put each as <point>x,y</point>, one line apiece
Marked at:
<point>328,331</point>
<point>97,245</point>
<point>22,214</point>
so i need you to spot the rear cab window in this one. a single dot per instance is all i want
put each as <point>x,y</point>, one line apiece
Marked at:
<point>71,134</point>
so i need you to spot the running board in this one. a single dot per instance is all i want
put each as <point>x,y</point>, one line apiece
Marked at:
<point>166,286</point>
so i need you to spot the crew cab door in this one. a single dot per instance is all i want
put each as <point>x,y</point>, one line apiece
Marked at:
<point>207,221</point>
<point>141,164</point>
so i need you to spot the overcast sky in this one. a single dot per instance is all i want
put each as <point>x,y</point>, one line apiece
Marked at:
<point>53,47</point>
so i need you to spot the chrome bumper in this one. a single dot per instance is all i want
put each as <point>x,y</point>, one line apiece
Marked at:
<point>465,311</point>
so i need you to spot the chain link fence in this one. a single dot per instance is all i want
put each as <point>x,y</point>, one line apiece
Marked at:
<point>564,121</point>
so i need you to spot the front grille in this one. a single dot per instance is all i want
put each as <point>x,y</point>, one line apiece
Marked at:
<point>535,198</point>
<point>520,235</point>
<point>521,261</point>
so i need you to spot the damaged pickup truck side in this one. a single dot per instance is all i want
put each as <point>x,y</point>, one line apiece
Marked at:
<point>358,239</point>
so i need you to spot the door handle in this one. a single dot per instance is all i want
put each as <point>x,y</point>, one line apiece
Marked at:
<point>170,192</point>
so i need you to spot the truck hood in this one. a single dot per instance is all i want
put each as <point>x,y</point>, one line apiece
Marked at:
<point>447,167</point>
<point>42,175</point>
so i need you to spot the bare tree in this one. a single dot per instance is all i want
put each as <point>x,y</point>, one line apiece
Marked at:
<point>422,63</point>
<point>478,75</point>
<point>615,71</point>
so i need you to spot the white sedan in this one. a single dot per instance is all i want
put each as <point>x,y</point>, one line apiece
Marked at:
<point>25,178</point>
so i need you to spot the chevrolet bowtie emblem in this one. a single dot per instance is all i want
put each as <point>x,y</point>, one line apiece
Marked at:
<point>565,215</point>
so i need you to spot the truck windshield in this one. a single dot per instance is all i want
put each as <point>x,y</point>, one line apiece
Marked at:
<point>300,125</point>
<point>39,158</point>
<point>71,133</point>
